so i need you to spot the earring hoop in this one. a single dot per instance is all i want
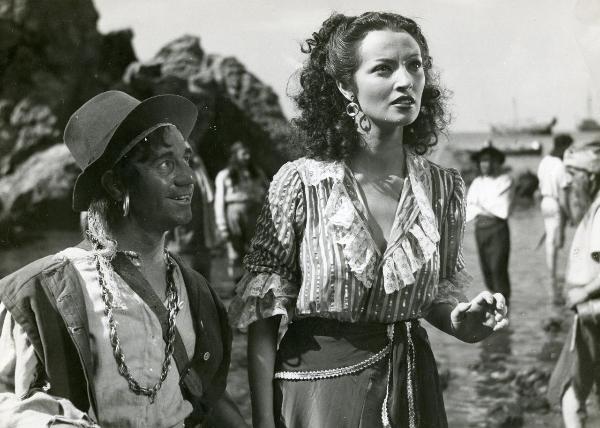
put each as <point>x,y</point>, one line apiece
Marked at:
<point>352,109</point>
<point>126,205</point>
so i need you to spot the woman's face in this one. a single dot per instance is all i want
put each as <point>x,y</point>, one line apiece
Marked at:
<point>161,192</point>
<point>390,78</point>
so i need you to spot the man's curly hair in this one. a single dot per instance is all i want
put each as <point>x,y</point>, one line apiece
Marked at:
<point>328,133</point>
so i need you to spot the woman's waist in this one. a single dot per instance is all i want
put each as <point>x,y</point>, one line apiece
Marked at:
<point>313,344</point>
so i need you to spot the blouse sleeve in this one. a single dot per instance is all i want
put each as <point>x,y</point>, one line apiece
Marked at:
<point>453,276</point>
<point>272,281</point>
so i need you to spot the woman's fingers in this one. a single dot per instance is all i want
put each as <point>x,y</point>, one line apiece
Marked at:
<point>461,309</point>
<point>484,297</point>
<point>500,303</point>
<point>501,324</point>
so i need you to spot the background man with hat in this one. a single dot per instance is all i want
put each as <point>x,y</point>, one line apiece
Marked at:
<point>488,203</point>
<point>553,184</point>
<point>116,331</point>
<point>576,371</point>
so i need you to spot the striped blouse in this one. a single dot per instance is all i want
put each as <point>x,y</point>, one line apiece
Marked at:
<point>313,253</point>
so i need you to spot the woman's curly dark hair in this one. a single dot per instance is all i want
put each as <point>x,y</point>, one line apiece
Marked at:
<point>328,133</point>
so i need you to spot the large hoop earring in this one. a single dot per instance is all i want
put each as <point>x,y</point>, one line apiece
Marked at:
<point>352,109</point>
<point>126,205</point>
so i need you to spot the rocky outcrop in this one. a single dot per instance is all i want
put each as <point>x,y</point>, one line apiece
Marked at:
<point>233,103</point>
<point>52,59</point>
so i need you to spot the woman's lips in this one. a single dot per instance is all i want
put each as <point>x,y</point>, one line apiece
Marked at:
<point>404,101</point>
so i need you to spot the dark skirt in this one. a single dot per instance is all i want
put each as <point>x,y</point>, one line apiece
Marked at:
<point>579,363</point>
<point>356,399</point>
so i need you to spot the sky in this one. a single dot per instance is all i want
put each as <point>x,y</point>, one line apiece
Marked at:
<point>503,60</point>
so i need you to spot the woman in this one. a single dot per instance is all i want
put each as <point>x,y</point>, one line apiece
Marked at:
<point>116,331</point>
<point>576,371</point>
<point>489,202</point>
<point>240,192</point>
<point>357,241</point>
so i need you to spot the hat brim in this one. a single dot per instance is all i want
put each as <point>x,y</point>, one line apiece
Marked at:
<point>500,157</point>
<point>168,109</point>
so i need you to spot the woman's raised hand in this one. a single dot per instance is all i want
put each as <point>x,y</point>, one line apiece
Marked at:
<point>475,320</point>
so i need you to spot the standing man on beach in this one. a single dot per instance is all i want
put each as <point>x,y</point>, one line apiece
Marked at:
<point>554,182</point>
<point>489,201</point>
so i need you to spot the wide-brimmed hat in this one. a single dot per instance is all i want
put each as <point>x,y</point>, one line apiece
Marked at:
<point>584,156</point>
<point>490,151</point>
<point>109,125</point>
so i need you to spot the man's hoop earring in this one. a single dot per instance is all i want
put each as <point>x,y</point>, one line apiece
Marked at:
<point>352,109</point>
<point>126,205</point>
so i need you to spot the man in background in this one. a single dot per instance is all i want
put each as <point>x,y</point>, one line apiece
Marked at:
<point>553,184</point>
<point>194,240</point>
<point>489,201</point>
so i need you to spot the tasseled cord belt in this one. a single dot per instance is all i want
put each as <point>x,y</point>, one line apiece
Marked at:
<point>354,368</point>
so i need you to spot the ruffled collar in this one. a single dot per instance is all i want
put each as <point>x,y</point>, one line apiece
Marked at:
<point>414,236</point>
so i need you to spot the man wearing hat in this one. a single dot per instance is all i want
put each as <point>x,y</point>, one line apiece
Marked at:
<point>576,371</point>
<point>488,203</point>
<point>553,184</point>
<point>116,331</point>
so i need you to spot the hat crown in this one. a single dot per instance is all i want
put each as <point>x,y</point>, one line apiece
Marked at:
<point>91,127</point>
<point>585,156</point>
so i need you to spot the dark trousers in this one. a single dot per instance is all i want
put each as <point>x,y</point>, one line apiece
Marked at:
<point>493,244</point>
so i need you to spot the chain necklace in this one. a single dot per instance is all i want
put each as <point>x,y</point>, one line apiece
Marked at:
<point>173,308</point>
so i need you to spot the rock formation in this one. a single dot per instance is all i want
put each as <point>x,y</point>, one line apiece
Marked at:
<point>52,59</point>
<point>233,103</point>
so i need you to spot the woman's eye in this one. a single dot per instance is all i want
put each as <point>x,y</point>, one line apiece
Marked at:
<point>381,69</point>
<point>414,65</point>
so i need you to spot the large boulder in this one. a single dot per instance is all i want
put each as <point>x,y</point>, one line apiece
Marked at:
<point>52,58</point>
<point>233,103</point>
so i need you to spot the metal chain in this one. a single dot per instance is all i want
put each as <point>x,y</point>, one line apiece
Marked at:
<point>173,308</point>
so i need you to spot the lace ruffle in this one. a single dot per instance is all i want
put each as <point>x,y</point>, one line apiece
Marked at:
<point>351,233</point>
<point>315,171</point>
<point>261,296</point>
<point>451,290</point>
<point>414,246</point>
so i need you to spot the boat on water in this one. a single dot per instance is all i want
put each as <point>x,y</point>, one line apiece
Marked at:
<point>588,123</point>
<point>516,148</point>
<point>531,129</point>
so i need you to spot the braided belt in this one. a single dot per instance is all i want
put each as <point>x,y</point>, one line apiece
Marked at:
<point>354,368</point>
<point>330,373</point>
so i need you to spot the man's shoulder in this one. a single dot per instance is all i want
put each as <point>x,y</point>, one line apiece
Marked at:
<point>12,284</point>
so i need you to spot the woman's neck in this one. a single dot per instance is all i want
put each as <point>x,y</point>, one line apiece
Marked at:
<point>382,155</point>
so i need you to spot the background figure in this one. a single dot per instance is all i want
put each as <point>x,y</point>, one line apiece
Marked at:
<point>553,182</point>
<point>576,371</point>
<point>240,191</point>
<point>488,202</point>
<point>194,240</point>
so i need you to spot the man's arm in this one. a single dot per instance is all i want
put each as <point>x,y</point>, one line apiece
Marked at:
<point>20,402</point>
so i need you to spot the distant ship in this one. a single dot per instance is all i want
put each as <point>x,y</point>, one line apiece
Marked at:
<point>531,129</point>
<point>516,148</point>
<point>588,124</point>
<point>544,128</point>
